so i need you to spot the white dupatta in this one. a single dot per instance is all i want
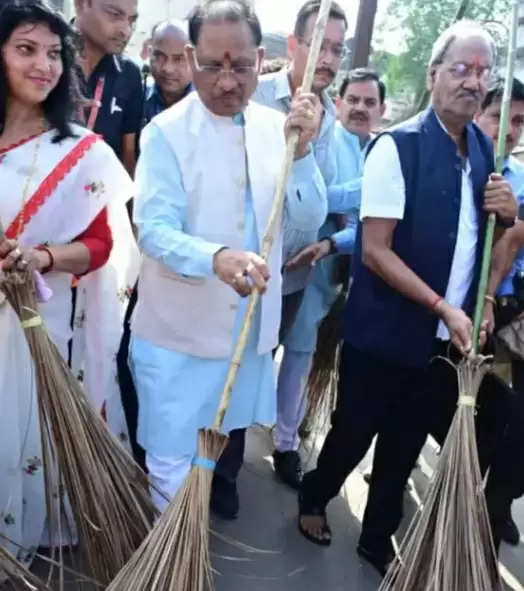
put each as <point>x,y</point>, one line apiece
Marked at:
<point>70,184</point>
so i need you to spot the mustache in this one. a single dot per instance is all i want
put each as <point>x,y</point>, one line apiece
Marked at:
<point>469,94</point>
<point>358,116</point>
<point>326,71</point>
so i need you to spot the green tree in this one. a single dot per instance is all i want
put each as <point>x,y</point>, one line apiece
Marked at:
<point>420,23</point>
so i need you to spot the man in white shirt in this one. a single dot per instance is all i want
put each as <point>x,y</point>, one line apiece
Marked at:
<point>427,186</point>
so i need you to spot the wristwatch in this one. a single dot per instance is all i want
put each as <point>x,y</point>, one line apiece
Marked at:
<point>332,245</point>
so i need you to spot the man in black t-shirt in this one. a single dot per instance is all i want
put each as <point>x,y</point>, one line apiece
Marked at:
<point>106,76</point>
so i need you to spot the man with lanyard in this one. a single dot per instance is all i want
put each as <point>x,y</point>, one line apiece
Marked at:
<point>507,284</point>
<point>360,106</point>
<point>426,189</point>
<point>172,82</point>
<point>276,91</point>
<point>169,68</point>
<point>199,234</point>
<point>111,83</point>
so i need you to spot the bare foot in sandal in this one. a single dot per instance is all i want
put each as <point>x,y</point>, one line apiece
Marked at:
<point>315,528</point>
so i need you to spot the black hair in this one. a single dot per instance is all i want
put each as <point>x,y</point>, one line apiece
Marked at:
<point>233,11</point>
<point>59,105</point>
<point>362,75</point>
<point>496,92</point>
<point>313,7</point>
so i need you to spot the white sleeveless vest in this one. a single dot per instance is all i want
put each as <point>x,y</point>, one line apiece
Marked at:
<point>216,157</point>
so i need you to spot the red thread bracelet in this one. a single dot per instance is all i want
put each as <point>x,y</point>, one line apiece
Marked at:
<point>436,303</point>
<point>49,267</point>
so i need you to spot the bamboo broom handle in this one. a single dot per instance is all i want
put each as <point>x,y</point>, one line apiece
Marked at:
<point>499,163</point>
<point>274,218</point>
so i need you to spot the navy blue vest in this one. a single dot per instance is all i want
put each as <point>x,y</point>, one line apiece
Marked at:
<point>379,320</point>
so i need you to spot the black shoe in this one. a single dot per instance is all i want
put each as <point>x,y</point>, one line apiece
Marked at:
<point>224,498</point>
<point>288,467</point>
<point>509,532</point>
<point>379,561</point>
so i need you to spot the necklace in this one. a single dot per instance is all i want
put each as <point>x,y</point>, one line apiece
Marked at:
<point>27,185</point>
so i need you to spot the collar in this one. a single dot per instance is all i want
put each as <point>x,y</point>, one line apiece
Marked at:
<point>154,90</point>
<point>354,138</point>
<point>514,165</point>
<point>467,163</point>
<point>239,119</point>
<point>283,91</point>
<point>282,86</point>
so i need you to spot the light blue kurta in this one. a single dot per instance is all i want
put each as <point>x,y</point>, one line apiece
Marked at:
<point>179,393</point>
<point>514,174</point>
<point>344,198</point>
<point>274,91</point>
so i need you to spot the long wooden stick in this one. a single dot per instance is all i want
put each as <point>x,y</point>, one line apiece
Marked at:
<point>275,217</point>
<point>499,163</point>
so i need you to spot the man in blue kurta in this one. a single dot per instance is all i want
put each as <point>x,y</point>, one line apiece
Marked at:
<point>426,187</point>
<point>360,105</point>
<point>206,179</point>
<point>506,481</point>
<point>276,91</point>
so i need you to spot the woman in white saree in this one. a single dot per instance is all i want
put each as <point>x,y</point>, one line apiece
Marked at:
<point>62,206</point>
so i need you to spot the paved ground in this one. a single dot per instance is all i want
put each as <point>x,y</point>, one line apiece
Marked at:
<point>263,551</point>
<point>268,522</point>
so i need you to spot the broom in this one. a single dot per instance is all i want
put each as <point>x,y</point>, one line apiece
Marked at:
<point>449,546</point>
<point>322,384</point>
<point>16,570</point>
<point>108,492</point>
<point>175,556</point>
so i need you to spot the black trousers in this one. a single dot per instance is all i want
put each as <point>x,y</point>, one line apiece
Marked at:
<point>401,405</point>
<point>127,387</point>
<point>233,456</point>
<point>230,462</point>
<point>506,480</point>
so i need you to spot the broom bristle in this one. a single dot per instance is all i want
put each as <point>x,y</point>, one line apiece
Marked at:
<point>322,385</point>
<point>109,494</point>
<point>175,555</point>
<point>449,546</point>
<point>17,571</point>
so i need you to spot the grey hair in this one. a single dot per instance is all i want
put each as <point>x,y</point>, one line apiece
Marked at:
<point>459,30</point>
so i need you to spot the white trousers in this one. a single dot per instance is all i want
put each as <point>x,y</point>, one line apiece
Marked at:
<point>168,475</point>
<point>291,398</point>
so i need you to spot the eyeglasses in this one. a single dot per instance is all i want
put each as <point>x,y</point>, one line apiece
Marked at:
<point>241,72</point>
<point>338,51</point>
<point>462,71</point>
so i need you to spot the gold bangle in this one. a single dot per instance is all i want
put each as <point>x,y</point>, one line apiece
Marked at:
<point>490,299</point>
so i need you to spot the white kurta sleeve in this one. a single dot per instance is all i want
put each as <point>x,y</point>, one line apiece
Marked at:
<point>383,186</point>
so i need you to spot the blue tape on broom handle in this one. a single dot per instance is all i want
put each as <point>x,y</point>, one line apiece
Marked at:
<point>205,463</point>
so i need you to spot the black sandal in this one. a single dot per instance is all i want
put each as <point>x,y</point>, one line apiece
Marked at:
<point>307,510</point>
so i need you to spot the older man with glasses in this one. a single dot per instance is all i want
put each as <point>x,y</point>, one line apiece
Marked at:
<point>427,187</point>
<point>206,180</point>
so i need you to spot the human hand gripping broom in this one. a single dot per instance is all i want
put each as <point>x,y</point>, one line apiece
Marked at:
<point>108,492</point>
<point>449,545</point>
<point>175,556</point>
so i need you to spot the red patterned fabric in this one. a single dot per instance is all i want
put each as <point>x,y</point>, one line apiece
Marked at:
<point>99,240</point>
<point>46,189</point>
